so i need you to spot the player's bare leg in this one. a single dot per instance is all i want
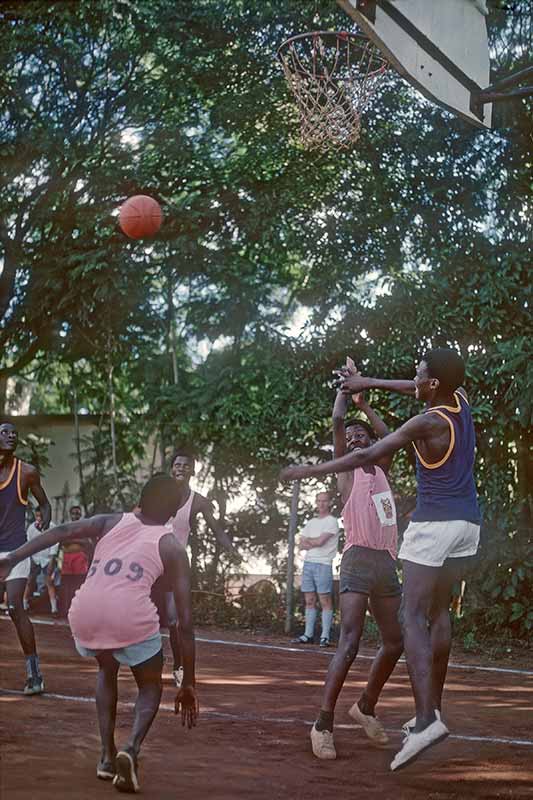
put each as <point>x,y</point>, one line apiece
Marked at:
<point>26,635</point>
<point>385,611</point>
<point>106,708</point>
<point>149,683</point>
<point>353,609</point>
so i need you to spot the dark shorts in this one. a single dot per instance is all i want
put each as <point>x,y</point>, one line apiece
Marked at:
<point>164,602</point>
<point>370,572</point>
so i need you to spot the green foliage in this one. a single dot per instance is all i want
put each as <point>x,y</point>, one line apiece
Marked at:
<point>33,448</point>
<point>272,265</point>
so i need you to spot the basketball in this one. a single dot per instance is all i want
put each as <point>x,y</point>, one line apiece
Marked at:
<point>140,216</point>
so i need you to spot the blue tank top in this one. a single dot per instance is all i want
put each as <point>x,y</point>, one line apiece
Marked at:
<point>446,489</point>
<point>12,510</point>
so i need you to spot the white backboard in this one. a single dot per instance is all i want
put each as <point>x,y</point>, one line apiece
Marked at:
<point>439,46</point>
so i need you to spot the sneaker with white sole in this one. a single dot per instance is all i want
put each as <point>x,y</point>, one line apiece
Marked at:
<point>372,726</point>
<point>177,674</point>
<point>322,744</point>
<point>105,770</point>
<point>126,778</point>
<point>408,727</point>
<point>34,685</point>
<point>416,743</point>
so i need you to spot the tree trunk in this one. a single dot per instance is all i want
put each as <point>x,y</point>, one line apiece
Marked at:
<point>171,325</point>
<point>83,496</point>
<point>112,418</point>
<point>220,498</point>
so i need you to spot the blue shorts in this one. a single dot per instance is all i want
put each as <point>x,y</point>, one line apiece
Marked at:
<point>131,655</point>
<point>317,578</point>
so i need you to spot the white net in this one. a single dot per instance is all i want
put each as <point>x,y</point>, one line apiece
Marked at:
<point>332,76</point>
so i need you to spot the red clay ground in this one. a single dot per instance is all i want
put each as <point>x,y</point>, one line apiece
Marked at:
<point>252,738</point>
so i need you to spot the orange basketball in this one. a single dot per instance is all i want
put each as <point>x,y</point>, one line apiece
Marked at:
<point>140,216</point>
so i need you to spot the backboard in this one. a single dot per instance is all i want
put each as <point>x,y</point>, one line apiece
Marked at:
<point>439,46</point>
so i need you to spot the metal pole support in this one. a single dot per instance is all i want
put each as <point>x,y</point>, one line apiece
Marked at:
<point>290,556</point>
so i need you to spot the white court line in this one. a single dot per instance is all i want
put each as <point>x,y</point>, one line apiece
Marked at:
<point>258,718</point>
<point>306,650</point>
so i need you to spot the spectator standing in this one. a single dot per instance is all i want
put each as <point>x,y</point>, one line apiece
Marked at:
<point>44,562</point>
<point>319,540</point>
<point>74,566</point>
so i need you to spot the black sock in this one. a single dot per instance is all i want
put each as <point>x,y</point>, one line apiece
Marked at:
<point>325,721</point>
<point>364,706</point>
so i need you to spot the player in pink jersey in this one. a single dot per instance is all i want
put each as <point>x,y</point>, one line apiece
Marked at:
<point>367,574</point>
<point>191,504</point>
<point>113,619</point>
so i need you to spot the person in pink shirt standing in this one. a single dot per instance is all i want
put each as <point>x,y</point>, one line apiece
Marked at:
<point>191,504</point>
<point>113,619</point>
<point>367,575</point>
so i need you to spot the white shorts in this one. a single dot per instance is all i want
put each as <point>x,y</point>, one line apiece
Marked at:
<point>431,543</point>
<point>20,570</point>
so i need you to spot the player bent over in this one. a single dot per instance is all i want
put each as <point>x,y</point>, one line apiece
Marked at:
<point>113,619</point>
<point>368,573</point>
<point>444,529</point>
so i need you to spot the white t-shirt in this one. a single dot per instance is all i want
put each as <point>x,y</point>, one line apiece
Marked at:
<point>315,528</point>
<point>43,556</point>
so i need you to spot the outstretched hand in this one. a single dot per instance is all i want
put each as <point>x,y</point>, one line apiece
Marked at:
<point>187,704</point>
<point>349,382</point>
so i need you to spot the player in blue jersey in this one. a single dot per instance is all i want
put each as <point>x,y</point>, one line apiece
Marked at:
<point>444,529</point>
<point>16,479</point>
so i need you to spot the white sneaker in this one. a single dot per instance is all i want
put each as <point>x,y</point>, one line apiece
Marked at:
<point>177,674</point>
<point>322,744</point>
<point>408,727</point>
<point>372,726</point>
<point>415,744</point>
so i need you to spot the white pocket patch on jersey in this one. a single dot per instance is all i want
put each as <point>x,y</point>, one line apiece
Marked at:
<point>385,507</point>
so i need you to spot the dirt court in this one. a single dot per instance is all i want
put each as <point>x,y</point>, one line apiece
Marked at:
<point>258,698</point>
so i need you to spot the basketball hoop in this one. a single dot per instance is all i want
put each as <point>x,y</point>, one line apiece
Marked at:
<point>333,75</point>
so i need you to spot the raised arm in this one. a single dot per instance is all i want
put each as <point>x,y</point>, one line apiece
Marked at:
<point>351,384</point>
<point>91,528</point>
<point>416,428</point>
<point>340,408</point>
<point>177,570</point>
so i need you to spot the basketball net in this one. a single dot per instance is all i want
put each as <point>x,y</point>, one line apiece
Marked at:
<point>332,76</point>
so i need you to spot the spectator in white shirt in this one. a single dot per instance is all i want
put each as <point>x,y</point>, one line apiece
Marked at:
<point>43,562</point>
<point>319,540</point>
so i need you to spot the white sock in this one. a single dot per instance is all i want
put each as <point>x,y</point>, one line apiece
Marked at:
<point>327,619</point>
<point>310,619</point>
<point>53,605</point>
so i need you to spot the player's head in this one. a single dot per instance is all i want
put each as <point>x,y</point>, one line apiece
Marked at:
<point>160,498</point>
<point>323,503</point>
<point>359,434</point>
<point>9,438</point>
<point>38,515</point>
<point>75,513</point>
<point>182,464</point>
<point>440,371</point>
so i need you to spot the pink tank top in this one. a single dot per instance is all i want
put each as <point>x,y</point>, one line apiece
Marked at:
<point>181,524</point>
<point>370,513</point>
<point>113,608</point>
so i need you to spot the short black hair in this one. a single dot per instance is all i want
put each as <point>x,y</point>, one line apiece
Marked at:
<point>76,505</point>
<point>447,366</point>
<point>360,423</point>
<point>184,452</point>
<point>160,497</point>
